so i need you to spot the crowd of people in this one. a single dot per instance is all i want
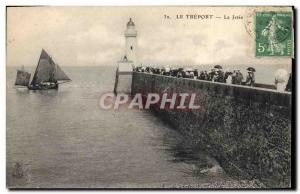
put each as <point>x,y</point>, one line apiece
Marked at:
<point>216,74</point>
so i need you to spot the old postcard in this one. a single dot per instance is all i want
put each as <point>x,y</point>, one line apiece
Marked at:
<point>171,97</point>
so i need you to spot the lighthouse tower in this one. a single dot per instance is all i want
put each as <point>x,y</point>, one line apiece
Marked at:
<point>125,66</point>
<point>130,47</point>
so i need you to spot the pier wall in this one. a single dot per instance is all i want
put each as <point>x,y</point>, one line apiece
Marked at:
<point>248,130</point>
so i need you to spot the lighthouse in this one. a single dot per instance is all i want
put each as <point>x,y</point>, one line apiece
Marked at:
<point>125,66</point>
<point>130,45</point>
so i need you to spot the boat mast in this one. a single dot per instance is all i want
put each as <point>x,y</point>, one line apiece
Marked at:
<point>34,76</point>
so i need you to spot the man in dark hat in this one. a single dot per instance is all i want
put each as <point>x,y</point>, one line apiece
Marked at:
<point>220,77</point>
<point>250,79</point>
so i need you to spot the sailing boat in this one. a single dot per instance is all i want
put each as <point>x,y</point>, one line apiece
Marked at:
<point>47,75</point>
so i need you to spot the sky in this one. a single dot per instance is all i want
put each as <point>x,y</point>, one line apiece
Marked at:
<point>94,36</point>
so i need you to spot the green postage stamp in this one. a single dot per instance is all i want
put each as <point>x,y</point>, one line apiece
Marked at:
<point>274,34</point>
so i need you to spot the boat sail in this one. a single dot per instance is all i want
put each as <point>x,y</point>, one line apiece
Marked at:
<point>23,77</point>
<point>60,75</point>
<point>47,74</point>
